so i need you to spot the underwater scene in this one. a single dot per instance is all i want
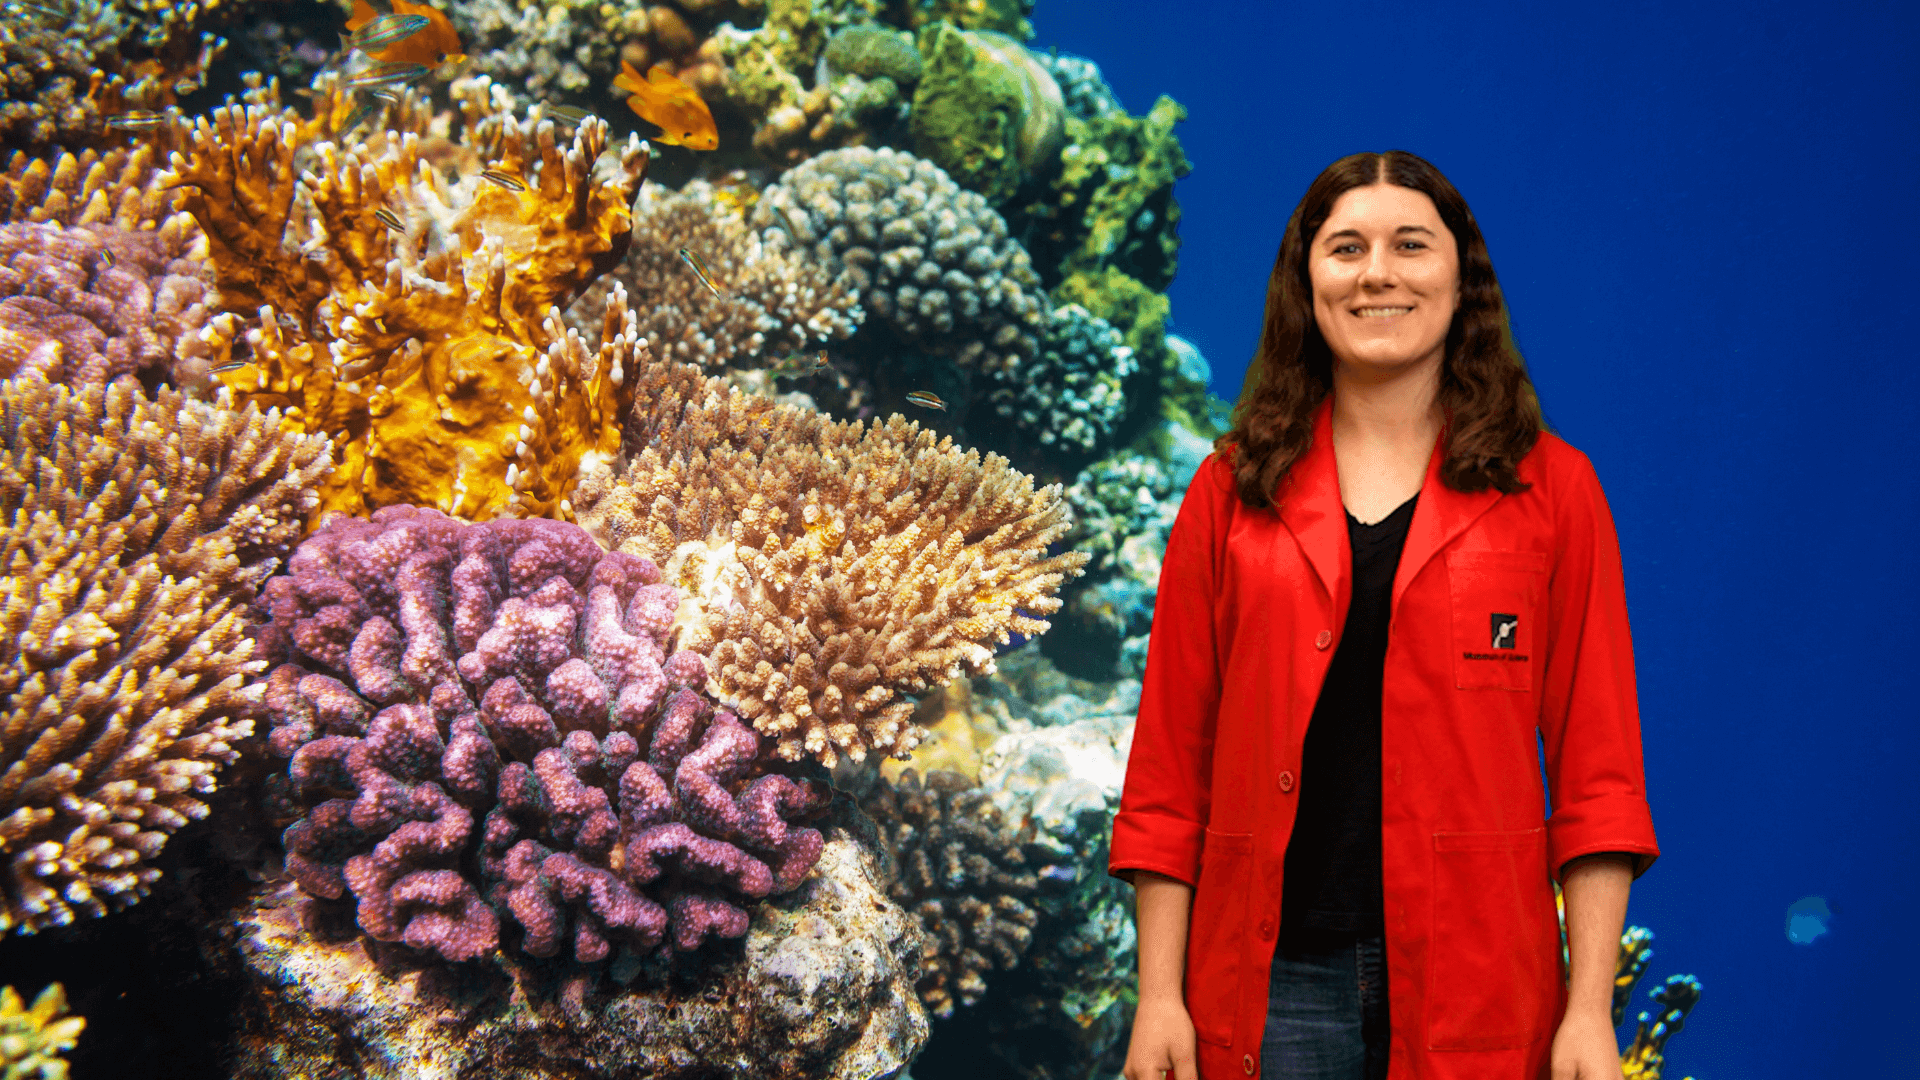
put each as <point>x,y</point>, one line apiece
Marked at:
<point>616,539</point>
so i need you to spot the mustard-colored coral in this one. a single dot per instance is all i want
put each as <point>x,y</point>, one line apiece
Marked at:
<point>136,533</point>
<point>434,355</point>
<point>830,568</point>
<point>32,1040</point>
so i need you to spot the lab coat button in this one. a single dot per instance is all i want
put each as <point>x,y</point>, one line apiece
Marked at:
<point>1246,1063</point>
<point>1325,639</point>
<point>1286,780</point>
<point>1266,929</point>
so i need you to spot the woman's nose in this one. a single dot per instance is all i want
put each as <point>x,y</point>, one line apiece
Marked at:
<point>1377,272</point>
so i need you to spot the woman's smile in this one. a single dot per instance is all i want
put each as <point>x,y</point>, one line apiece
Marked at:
<point>1385,273</point>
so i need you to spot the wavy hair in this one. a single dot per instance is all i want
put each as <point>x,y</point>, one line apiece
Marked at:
<point>1493,414</point>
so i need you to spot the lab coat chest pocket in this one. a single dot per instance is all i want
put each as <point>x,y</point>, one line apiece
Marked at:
<point>1216,936</point>
<point>1498,599</point>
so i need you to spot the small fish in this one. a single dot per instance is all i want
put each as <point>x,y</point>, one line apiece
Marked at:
<point>799,365</point>
<point>926,400</point>
<point>567,112</point>
<point>504,179</point>
<point>390,219</point>
<point>700,271</point>
<point>232,365</point>
<point>391,97</point>
<point>137,120</point>
<point>387,30</point>
<point>388,74</point>
<point>670,105</point>
<point>364,112</point>
<point>106,258</point>
<point>433,45</point>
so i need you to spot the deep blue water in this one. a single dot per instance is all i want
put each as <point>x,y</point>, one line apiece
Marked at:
<point>1702,216</point>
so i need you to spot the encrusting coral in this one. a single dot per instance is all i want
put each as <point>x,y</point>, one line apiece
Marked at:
<point>434,354</point>
<point>32,1039</point>
<point>829,567</point>
<point>964,875</point>
<point>483,719</point>
<point>931,261</point>
<point>986,111</point>
<point>136,533</point>
<point>773,302</point>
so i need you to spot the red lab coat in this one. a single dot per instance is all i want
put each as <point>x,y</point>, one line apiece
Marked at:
<point>1248,615</point>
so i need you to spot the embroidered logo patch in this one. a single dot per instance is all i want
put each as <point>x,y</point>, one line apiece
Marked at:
<point>1505,628</point>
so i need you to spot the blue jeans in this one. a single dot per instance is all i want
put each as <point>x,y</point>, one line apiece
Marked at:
<point>1326,1010</point>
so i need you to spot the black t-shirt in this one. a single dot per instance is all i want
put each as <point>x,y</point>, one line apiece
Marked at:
<point>1333,859</point>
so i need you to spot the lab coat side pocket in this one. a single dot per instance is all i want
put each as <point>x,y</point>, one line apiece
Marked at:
<point>1496,597</point>
<point>1494,951</point>
<point>1217,934</point>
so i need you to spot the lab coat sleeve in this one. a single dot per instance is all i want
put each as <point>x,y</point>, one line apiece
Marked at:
<point>1164,801</point>
<point>1589,712</point>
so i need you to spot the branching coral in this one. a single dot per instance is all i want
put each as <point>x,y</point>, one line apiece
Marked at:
<point>137,531</point>
<point>829,567</point>
<point>964,875</point>
<point>434,355</point>
<point>488,727</point>
<point>773,303</point>
<point>32,1039</point>
<point>931,261</point>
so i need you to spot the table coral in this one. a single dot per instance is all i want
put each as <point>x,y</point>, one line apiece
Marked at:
<point>964,875</point>
<point>32,1039</point>
<point>434,356</point>
<point>481,722</point>
<point>774,302</point>
<point>830,568</point>
<point>932,262</point>
<point>137,531</point>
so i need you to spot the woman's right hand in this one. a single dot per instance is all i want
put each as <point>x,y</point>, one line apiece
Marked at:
<point>1162,1042</point>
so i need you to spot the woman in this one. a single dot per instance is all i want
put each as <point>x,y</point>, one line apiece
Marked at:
<point>1382,583</point>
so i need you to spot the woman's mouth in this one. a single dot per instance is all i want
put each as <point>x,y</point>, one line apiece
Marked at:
<point>1382,312</point>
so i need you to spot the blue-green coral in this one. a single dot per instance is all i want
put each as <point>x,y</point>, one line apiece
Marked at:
<point>1072,395</point>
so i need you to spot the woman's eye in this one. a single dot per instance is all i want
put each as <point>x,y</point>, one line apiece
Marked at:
<point>1344,248</point>
<point>1413,244</point>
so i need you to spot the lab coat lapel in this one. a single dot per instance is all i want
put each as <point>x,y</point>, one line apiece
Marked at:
<point>1441,514</point>
<point>1313,512</point>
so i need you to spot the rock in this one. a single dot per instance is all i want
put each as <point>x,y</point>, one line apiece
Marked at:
<point>822,986</point>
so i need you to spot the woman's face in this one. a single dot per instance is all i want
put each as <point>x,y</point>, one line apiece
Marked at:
<point>1386,278</point>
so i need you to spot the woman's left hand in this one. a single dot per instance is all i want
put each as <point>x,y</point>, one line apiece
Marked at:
<point>1584,1049</point>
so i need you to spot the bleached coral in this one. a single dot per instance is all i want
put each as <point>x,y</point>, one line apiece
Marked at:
<point>774,302</point>
<point>434,354</point>
<point>830,568</point>
<point>931,261</point>
<point>137,532</point>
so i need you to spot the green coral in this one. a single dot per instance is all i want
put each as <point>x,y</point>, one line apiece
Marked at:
<point>1111,203</point>
<point>875,52</point>
<point>793,33</point>
<point>32,1040</point>
<point>1139,313</point>
<point>967,113</point>
<point>1006,16</point>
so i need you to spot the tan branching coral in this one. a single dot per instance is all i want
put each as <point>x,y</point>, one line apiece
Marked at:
<point>830,568</point>
<point>32,1039</point>
<point>773,302</point>
<point>434,353</point>
<point>137,531</point>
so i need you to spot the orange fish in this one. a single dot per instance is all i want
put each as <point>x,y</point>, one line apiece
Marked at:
<point>433,46</point>
<point>668,104</point>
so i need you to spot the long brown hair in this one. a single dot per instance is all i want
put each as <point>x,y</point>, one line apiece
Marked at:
<point>1493,413</point>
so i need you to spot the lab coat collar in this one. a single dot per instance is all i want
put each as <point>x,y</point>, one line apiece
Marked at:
<point>1313,511</point>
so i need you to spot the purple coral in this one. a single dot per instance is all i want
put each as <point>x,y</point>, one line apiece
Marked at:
<point>91,303</point>
<point>493,732</point>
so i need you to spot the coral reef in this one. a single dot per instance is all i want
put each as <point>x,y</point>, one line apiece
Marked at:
<point>95,302</point>
<point>932,262</point>
<point>439,672</point>
<point>1005,16</point>
<point>572,47</point>
<point>137,531</point>
<point>985,110</point>
<point>32,1039</point>
<point>829,567</point>
<point>434,355</point>
<point>963,875</point>
<point>820,986</point>
<point>1071,395</point>
<point>773,304</point>
<point>1084,93</point>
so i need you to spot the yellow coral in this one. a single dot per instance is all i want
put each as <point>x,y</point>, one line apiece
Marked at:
<point>829,568</point>
<point>32,1040</point>
<point>435,356</point>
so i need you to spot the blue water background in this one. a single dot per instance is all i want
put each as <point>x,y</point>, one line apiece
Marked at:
<point>1703,217</point>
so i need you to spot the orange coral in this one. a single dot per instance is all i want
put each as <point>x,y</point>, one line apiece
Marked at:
<point>434,355</point>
